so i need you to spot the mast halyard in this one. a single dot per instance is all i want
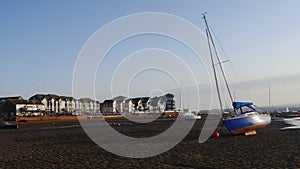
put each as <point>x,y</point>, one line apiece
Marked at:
<point>210,40</point>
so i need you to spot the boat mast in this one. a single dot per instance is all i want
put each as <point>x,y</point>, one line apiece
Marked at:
<point>212,62</point>
<point>217,56</point>
<point>269,99</point>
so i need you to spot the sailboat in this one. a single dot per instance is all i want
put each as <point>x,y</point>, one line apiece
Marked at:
<point>186,114</point>
<point>245,119</point>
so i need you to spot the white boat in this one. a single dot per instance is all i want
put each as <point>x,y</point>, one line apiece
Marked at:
<point>189,116</point>
<point>247,122</point>
<point>245,119</point>
<point>292,121</point>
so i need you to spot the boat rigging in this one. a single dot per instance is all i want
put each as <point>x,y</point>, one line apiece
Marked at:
<point>246,118</point>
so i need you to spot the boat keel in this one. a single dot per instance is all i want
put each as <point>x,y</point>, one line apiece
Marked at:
<point>250,133</point>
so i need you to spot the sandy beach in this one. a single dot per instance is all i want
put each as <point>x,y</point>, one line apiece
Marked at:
<point>49,144</point>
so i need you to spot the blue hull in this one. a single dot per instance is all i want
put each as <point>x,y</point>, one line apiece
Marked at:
<point>244,123</point>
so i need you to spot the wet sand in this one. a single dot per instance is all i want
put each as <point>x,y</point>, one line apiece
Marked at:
<point>36,145</point>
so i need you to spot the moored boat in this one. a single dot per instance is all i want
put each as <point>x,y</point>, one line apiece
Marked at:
<point>248,119</point>
<point>245,119</point>
<point>295,121</point>
<point>189,116</point>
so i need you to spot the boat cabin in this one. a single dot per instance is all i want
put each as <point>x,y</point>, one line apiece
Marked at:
<point>243,107</point>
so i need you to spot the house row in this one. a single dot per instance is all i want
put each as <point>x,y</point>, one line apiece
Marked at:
<point>66,104</point>
<point>46,104</point>
<point>155,104</point>
<point>51,104</point>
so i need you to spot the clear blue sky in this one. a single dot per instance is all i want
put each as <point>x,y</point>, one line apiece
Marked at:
<point>40,41</point>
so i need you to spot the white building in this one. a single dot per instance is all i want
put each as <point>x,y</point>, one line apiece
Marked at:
<point>19,107</point>
<point>156,104</point>
<point>118,104</point>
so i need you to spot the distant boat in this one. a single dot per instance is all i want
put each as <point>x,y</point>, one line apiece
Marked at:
<point>245,119</point>
<point>292,121</point>
<point>187,115</point>
<point>287,110</point>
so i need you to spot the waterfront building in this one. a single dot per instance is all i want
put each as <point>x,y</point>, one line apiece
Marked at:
<point>11,108</point>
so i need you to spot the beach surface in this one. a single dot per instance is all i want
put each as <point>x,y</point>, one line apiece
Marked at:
<point>64,144</point>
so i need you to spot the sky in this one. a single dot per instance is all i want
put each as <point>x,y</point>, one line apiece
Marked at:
<point>40,42</point>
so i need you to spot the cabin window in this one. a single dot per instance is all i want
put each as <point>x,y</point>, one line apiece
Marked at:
<point>245,109</point>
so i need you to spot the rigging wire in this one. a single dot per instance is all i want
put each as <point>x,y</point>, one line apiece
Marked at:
<point>243,86</point>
